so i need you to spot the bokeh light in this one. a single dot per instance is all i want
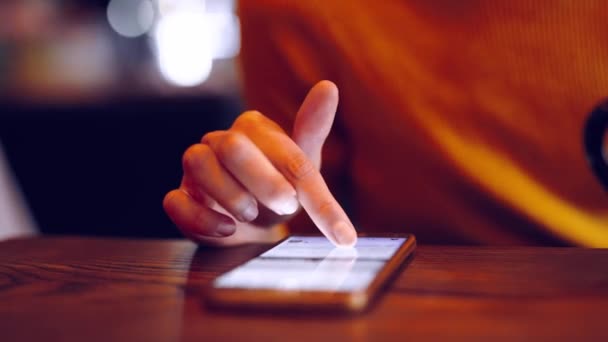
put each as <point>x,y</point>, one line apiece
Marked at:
<point>224,34</point>
<point>182,44</point>
<point>131,18</point>
<point>190,35</point>
<point>185,35</point>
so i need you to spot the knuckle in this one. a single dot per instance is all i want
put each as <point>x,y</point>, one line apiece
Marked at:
<point>249,119</point>
<point>253,114</point>
<point>298,167</point>
<point>232,145</point>
<point>196,157</point>
<point>252,122</point>
<point>168,201</point>
<point>188,159</point>
<point>210,136</point>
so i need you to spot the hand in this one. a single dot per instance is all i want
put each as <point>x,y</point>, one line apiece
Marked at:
<point>254,176</point>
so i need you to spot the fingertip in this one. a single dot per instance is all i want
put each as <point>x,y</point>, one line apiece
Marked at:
<point>226,227</point>
<point>345,235</point>
<point>195,219</point>
<point>327,86</point>
<point>251,212</point>
<point>168,201</point>
<point>288,206</point>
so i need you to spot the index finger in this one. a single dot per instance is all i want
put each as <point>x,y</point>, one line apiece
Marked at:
<point>312,191</point>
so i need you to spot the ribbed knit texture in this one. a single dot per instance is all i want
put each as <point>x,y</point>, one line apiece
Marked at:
<point>460,121</point>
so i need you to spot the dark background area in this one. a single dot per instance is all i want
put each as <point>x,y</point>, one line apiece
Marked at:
<point>103,169</point>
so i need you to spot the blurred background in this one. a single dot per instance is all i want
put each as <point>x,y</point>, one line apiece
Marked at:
<point>99,99</point>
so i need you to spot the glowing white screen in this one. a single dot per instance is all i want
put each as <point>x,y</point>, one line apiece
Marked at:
<point>314,264</point>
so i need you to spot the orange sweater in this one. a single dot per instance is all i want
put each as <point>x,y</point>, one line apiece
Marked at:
<point>459,121</point>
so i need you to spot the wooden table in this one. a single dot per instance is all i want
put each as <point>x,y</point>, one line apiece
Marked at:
<point>81,289</point>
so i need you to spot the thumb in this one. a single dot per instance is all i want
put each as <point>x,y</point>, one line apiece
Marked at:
<point>315,118</point>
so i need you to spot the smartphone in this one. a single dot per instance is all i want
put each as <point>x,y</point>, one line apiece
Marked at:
<point>304,273</point>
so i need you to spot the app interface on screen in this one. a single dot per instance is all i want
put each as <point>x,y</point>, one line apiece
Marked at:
<point>314,264</point>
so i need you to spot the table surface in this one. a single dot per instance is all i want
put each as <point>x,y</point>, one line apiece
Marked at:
<point>88,289</point>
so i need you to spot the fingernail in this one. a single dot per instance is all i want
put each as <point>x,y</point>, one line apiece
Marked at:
<point>226,228</point>
<point>251,212</point>
<point>289,206</point>
<point>344,234</point>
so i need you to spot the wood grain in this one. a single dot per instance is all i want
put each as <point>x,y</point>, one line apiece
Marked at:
<point>84,289</point>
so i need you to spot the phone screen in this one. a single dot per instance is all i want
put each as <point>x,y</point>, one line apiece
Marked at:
<point>305,263</point>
